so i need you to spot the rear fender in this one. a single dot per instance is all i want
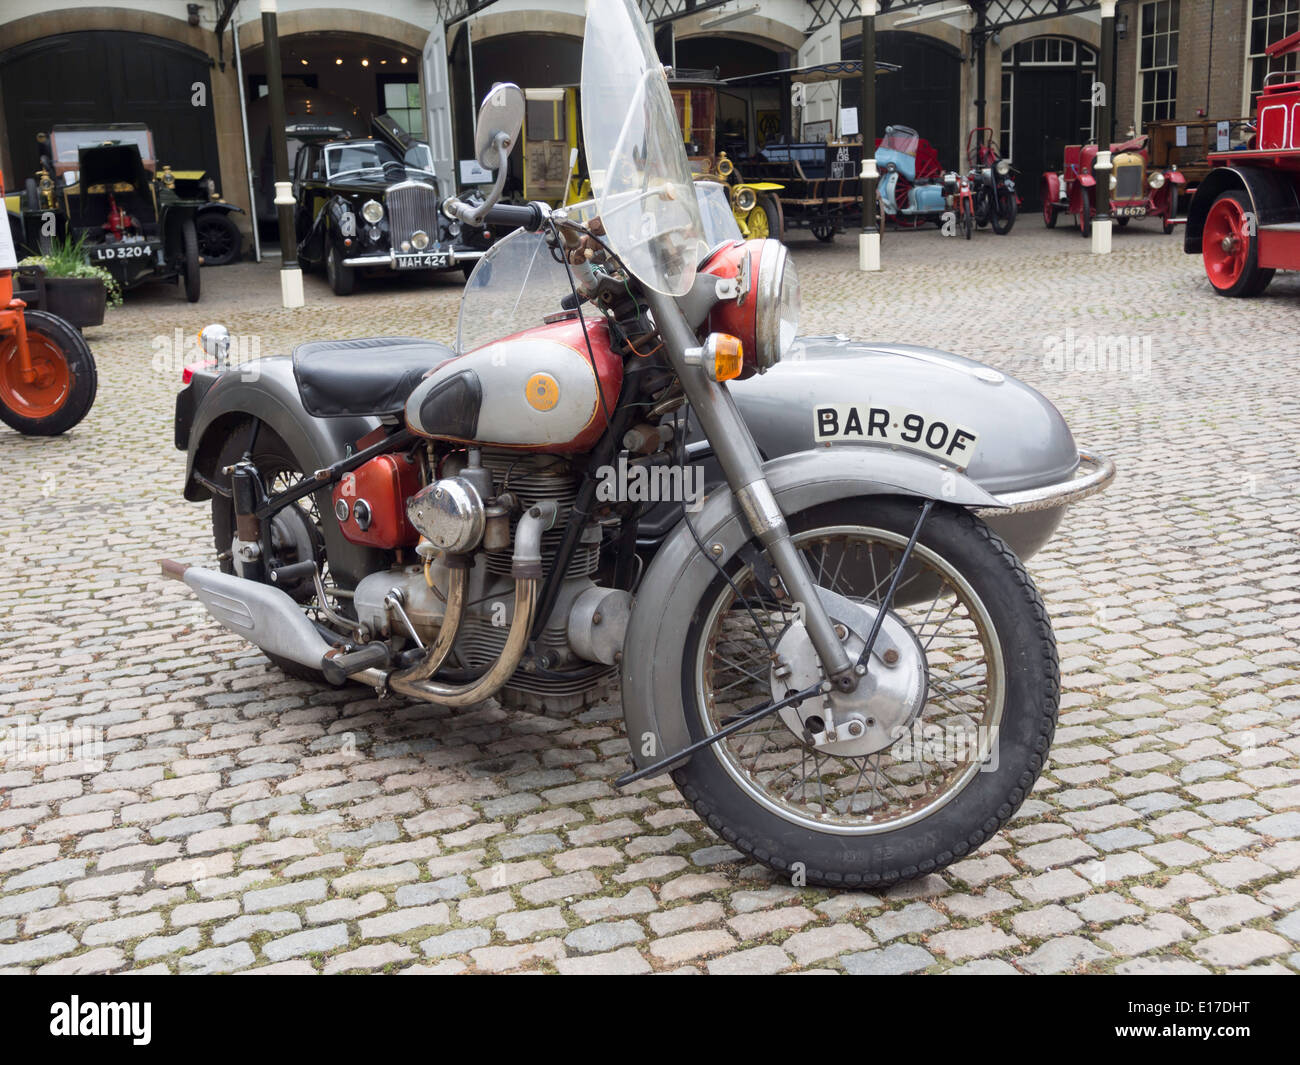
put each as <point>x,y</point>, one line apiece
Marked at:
<point>1272,199</point>
<point>265,389</point>
<point>669,594</point>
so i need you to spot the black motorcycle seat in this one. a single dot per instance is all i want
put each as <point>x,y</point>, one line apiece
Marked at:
<point>370,377</point>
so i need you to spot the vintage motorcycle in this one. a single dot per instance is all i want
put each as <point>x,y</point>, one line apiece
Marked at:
<point>996,201</point>
<point>914,189</point>
<point>846,670</point>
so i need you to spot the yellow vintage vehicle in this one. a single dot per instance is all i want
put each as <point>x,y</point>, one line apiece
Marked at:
<point>554,170</point>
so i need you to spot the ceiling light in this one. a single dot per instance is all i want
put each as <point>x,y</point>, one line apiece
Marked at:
<point>338,62</point>
<point>365,62</point>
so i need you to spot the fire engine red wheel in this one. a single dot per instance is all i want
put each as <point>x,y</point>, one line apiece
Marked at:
<point>63,389</point>
<point>1049,213</point>
<point>1230,248</point>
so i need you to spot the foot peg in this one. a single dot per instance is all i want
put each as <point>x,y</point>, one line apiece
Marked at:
<point>338,667</point>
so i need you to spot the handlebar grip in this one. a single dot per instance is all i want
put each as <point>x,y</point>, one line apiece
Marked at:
<point>527,216</point>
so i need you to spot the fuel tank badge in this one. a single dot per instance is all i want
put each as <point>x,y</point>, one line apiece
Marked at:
<point>542,392</point>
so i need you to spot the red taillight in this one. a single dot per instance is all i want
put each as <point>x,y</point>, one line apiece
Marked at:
<point>187,374</point>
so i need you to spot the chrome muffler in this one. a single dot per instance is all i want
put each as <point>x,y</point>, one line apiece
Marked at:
<point>261,613</point>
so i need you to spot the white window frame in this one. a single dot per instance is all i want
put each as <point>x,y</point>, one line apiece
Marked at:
<point>1291,61</point>
<point>1139,95</point>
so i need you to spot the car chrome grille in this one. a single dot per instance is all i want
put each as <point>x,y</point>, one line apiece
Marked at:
<point>1128,181</point>
<point>411,205</point>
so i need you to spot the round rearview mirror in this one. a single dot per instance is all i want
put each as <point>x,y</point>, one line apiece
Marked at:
<point>502,113</point>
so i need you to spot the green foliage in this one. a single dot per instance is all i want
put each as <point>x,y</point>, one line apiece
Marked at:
<point>67,258</point>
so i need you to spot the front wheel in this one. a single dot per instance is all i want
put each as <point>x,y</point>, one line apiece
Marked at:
<point>342,279</point>
<point>955,715</point>
<point>63,387</point>
<point>1086,211</point>
<point>190,246</point>
<point>1230,247</point>
<point>1005,216</point>
<point>767,219</point>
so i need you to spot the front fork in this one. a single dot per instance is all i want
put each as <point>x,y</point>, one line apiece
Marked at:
<point>742,465</point>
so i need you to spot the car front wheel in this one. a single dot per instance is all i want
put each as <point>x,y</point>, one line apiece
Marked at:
<point>342,279</point>
<point>1230,248</point>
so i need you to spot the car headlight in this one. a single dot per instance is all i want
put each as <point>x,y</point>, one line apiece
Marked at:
<point>420,239</point>
<point>1156,180</point>
<point>1004,167</point>
<point>1114,183</point>
<point>453,229</point>
<point>746,199</point>
<point>373,211</point>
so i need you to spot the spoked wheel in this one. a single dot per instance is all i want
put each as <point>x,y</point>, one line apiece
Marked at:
<point>823,231</point>
<point>1230,248</point>
<point>967,220</point>
<point>1049,213</point>
<point>63,387</point>
<point>1004,217</point>
<point>945,736</point>
<point>297,534</point>
<point>219,238</point>
<point>767,219</point>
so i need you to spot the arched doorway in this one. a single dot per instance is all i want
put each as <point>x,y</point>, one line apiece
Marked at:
<point>924,94</point>
<point>1045,105</point>
<point>104,76</point>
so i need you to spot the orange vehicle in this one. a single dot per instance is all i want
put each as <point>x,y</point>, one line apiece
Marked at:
<point>47,373</point>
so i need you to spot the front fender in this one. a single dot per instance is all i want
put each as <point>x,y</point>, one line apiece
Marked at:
<point>222,206</point>
<point>670,592</point>
<point>1051,187</point>
<point>1272,199</point>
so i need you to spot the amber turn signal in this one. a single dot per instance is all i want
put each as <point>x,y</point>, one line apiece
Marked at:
<point>722,356</point>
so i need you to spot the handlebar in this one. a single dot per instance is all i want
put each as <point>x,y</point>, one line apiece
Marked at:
<point>529,216</point>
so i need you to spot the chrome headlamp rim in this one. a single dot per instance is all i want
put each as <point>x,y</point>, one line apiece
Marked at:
<point>1156,180</point>
<point>419,240</point>
<point>775,270</point>
<point>746,199</point>
<point>372,211</point>
<point>1003,167</point>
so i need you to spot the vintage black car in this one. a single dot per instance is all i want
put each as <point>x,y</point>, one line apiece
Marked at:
<point>372,205</point>
<point>103,183</point>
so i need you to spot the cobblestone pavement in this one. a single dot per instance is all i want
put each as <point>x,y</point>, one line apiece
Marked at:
<point>240,821</point>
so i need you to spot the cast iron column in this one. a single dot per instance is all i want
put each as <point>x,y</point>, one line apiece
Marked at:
<point>869,240</point>
<point>1103,167</point>
<point>290,274</point>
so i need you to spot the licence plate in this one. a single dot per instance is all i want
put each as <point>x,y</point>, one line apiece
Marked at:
<point>852,423</point>
<point>426,260</point>
<point>107,252</point>
<point>1130,212</point>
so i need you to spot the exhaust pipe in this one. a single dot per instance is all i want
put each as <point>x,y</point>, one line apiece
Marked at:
<point>526,567</point>
<point>260,613</point>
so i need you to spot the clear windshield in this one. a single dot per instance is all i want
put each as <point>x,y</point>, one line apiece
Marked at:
<point>362,156</point>
<point>518,282</point>
<point>640,175</point>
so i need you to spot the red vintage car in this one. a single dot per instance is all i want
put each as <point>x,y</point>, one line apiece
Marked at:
<point>1245,217</point>
<point>1134,193</point>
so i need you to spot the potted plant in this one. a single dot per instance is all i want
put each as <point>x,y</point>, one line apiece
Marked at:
<point>69,286</point>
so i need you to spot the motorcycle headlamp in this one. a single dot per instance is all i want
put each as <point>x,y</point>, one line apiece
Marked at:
<point>763,313</point>
<point>372,211</point>
<point>746,199</point>
<point>1156,180</point>
<point>1003,167</point>
<point>420,240</point>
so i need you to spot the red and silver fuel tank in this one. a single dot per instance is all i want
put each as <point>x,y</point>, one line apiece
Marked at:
<point>534,391</point>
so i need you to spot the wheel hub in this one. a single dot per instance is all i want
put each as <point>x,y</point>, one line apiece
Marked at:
<point>888,698</point>
<point>1229,243</point>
